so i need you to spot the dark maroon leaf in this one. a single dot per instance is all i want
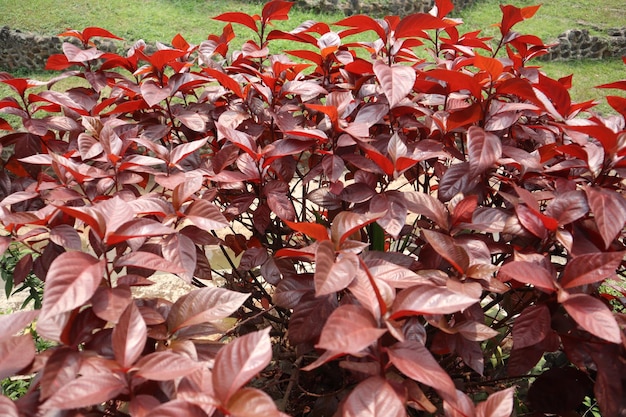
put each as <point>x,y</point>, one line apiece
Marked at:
<point>528,273</point>
<point>593,316</point>
<point>446,247</point>
<point>609,210</point>
<point>590,268</point>
<point>532,326</point>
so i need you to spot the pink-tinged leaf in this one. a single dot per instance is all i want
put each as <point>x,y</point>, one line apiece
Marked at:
<point>484,149</point>
<point>61,368</point>
<point>528,273</point>
<point>428,299</point>
<point>374,397</point>
<point>141,405</point>
<point>593,316</point>
<point>239,17</point>
<point>333,275</point>
<point>349,330</point>
<point>313,230</point>
<point>138,227</point>
<point>153,94</point>
<point>281,205</point>
<point>181,250</point>
<point>129,336</point>
<point>590,268</point>
<point>609,210</point>
<point>204,305</point>
<point>182,151</point>
<point>85,391</point>
<point>165,366</point>
<point>206,216</point>
<point>251,402</point>
<point>532,326</point>
<point>148,260</point>
<point>396,80</point>
<point>239,361</point>
<point>109,303</point>
<point>177,408</point>
<point>456,180</point>
<point>5,242</point>
<point>568,207</point>
<point>346,223</point>
<point>415,361</point>
<point>8,407</point>
<point>16,353</point>
<point>10,324</point>
<point>66,236</point>
<point>72,279</point>
<point>498,404</point>
<point>445,246</point>
<point>428,206</point>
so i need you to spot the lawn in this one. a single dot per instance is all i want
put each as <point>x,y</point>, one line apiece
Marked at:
<point>161,20</point>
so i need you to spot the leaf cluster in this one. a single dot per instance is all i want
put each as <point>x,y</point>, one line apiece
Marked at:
<point>415,219</point>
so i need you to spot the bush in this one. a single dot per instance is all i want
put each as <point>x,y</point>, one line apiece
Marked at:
<point>413,223</point>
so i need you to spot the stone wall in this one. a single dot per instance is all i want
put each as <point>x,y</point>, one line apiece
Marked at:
<point>377,8</point>
<point>29,51</point>
<point>577,44</point>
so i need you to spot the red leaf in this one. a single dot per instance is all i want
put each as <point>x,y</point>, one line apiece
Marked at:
<point>237,362</point>
<point>165,366</point>
<point>426,205</point>
<point>428,299</point>
<point>528,273</point>
<point>363,23</point>
<point>183,150</point>
<point>609,210</point>
<point>349,330</point>
<point>532,326</point>
<point>484,149</point>
<point>138,227</point>
<point>445,246</point>
<point>66,236</point>
<point>129,336</point>
<point>225,80</point>
<point>593,316</point>
<point>72,279</point>
<point>333,275</point>
<point>179,249</point>
<point>618,103</point>
<point>16,353</point>
<point>109,303</point>
<point>92,32</point>
<point>498,404</point>
<point>204,305</point>
<point>276,10</point>
<point>415,361</point>
<point>153,93</point>
<point>456,180</point>
<point>374,397</point>
<point>87,390</point>
<point>312,230</point>
<point>590,268</point>
<point>251,402</point>
<point>396,80</point>
<point>281,205</point>
<point>239,17</point>
<point>415,24</point>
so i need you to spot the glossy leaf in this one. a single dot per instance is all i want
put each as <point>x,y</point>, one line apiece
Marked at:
<point>85,391</point>
<point>593,316</point>
<point>498,404</point>
<point>609,210</point>
<point>61,368</point>
<point>448,249</point>
<point>129,336</point>
<point>484,150</point>
<point>332,275</point>
<point>532,326</point>
<point>396,81</point>
<point>386,402</point>
<point>427,299</point>
<point>16,353</point>
<point>165,366</point>
<point>251,402</point>
<point>349,329</point>
<point>528,273</point>
<point>590,268</point>
<point>72,279</point>
<point>237,362</point>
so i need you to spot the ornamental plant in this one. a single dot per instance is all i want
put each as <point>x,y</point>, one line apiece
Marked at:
<point>414,216</point>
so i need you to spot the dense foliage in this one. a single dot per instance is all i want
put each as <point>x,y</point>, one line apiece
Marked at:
<point>414,217</point>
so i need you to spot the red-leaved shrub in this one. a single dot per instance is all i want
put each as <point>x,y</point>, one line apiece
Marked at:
<point>413,223</point>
